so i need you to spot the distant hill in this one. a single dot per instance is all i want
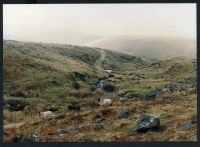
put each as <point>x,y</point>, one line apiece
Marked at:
<point>153,47</point>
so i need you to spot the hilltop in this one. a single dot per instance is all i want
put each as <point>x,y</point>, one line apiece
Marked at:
<point>158,47</point>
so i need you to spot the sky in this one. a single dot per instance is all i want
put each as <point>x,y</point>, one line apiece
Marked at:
<point>83,23</point>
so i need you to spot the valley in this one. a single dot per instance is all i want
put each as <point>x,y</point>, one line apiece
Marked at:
<point>68,80</point>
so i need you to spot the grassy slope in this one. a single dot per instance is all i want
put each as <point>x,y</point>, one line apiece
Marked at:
<point>43,76</point>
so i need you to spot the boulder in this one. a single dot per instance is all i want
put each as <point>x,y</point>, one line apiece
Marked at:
<point>147,122</point>
<point>123,114</point>
<point>27,138</point>
<point>151,94</point>
<point>15,105</point>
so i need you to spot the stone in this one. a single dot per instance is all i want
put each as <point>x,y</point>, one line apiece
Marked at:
<point>151,95</point>
<point>123,114</point>
<point>185,125</point>
<point>147,122</point>
<point>27,138</point>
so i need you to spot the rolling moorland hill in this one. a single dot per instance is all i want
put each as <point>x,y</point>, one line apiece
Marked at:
<point>68,80</point>
<point>162,48</point>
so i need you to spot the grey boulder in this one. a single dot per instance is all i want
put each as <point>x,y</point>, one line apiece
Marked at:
<point>147,122</point>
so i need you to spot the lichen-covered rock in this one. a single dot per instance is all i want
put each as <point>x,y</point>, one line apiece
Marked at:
<point>27,138</point>
<point>147,122</point>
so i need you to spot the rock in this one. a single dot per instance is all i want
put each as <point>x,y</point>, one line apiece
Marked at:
<point>109,87</point>
<point>185,125</point>
<point>56,117</point>
<point>74,108</point>
<point>151,94</point>
<point>85,107</point>
<point>123,99</point>
<point>53,109</point>
<point>171,87</point>
<point>6,106</point>
<point>147,122</point>
<point>76,85</point>
<point>173,97</point>
<point>72,131</point>
<point>123,114</point>
<point>98,127</point>
<point>139,77</point>
<point>15,105</point>
<point>27,138</point>
<point>100,84</point>
<point>108,71</point>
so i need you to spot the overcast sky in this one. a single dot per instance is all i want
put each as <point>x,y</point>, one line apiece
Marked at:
<point>82,23</point>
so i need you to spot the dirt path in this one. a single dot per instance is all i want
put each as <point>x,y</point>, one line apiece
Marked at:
<point>98,63</point>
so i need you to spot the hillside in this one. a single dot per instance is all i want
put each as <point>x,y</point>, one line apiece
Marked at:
<point>68,80</point>
<point>149,46</point>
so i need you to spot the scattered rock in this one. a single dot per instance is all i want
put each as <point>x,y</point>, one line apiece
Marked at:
<point>108,71</point>
<point>74,108</point>
<point>147,122</point>
<point>139,77</point>
<point>27,138</point>
<point>173,97</point>
<point>123,99</point>
<point>6,106</point>
<point>53,109</point>
<point>123,114</point>
<point>85,107</point>
<point>56,117</point>
<point>76,85</point>
<point>98,127</point>
<point>15,105</point>
<point>171,87</point>
<point>100,84</point>
<point>185,125</point>
<point>72,131</point>
<point>151,94</point>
